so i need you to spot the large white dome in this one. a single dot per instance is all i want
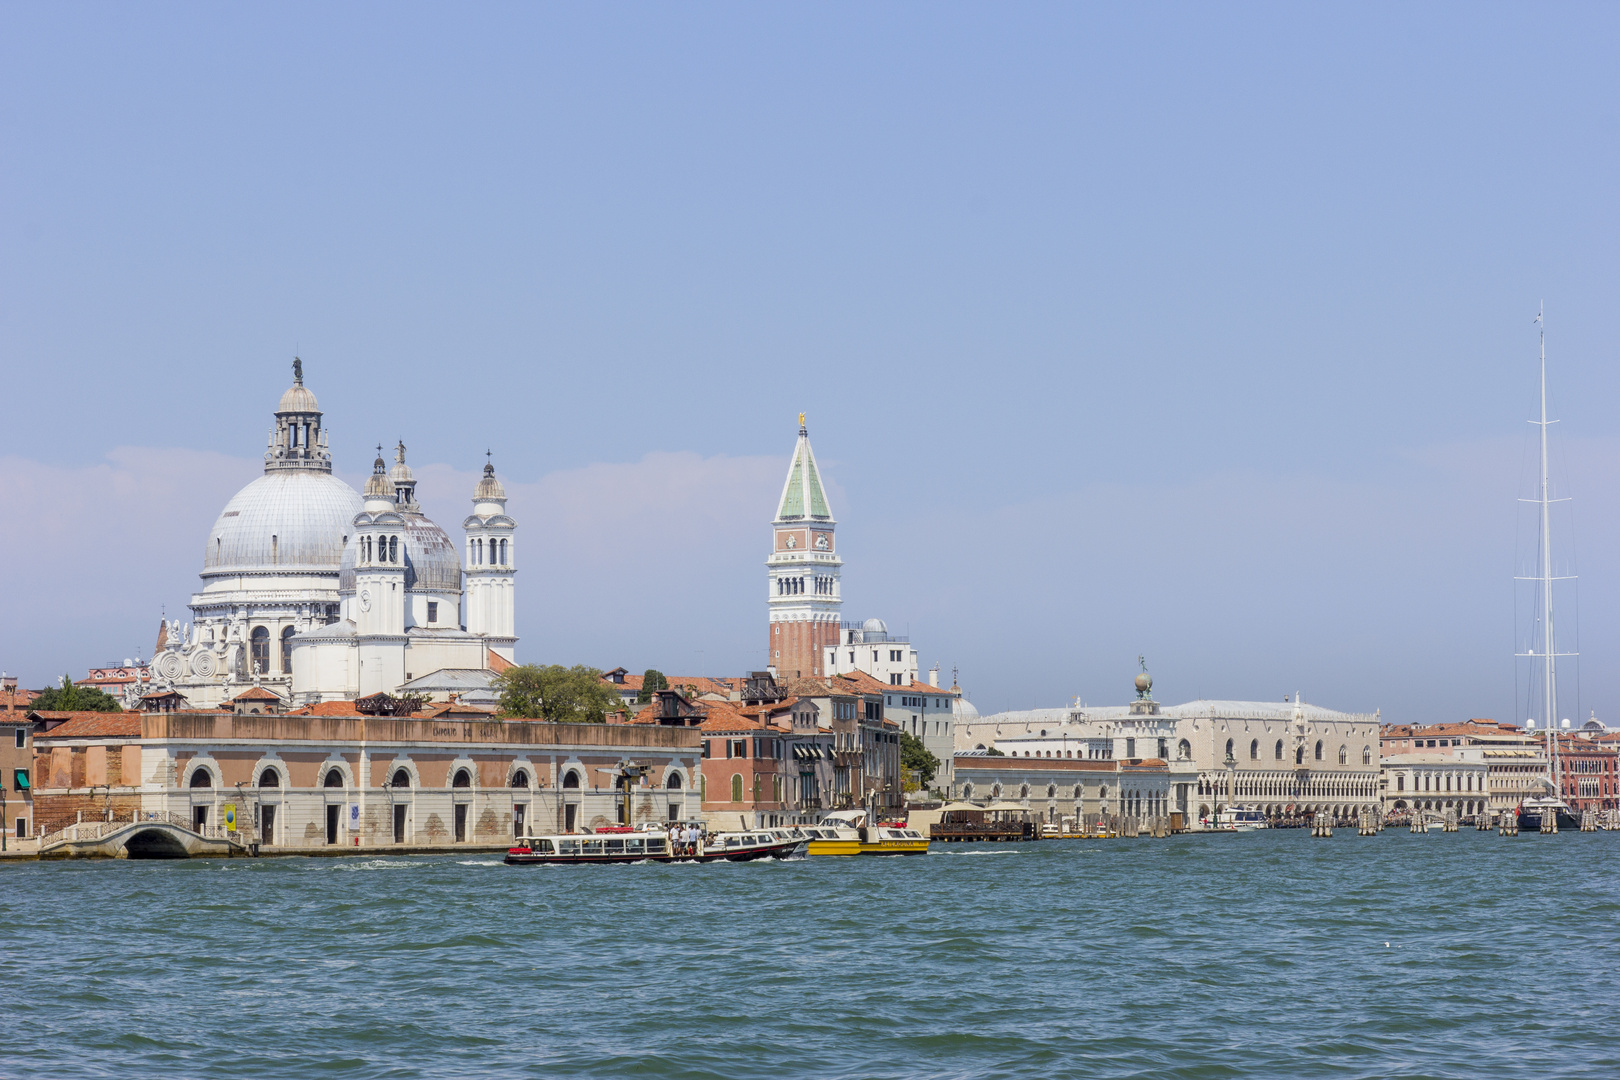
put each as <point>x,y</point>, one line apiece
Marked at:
<point>294,520</point>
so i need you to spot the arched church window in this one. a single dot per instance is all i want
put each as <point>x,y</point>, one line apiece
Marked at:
<point>393,549</point>
<point>1299,755</point>
<point>270,778</point>
<point>1254,750</point>
<point>503,552</point>
<point>1366,755</point>
<point>334,778</point>
<point>463,779</point>
<point>1279,749</point>
<point>202,778</point>
<point>286,650</point>
<point>1342,755</point>
<point>400,779</point>
<point>520,779</point>
<point>1318,749</point>
<point>259,642</point>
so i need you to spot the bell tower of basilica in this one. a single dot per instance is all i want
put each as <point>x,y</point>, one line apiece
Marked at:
<point>804,594</point>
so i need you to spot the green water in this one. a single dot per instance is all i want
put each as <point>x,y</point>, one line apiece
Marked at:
<point>1259,955</point>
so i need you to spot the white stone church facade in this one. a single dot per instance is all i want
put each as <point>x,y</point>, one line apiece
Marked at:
<point>318,593</point>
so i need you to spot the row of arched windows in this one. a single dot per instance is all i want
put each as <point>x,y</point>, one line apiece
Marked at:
<point>491,552</point>
<point>1299,752</point>
<point>380,549</point>
<point>1051,792</point>
<point>203,777</point>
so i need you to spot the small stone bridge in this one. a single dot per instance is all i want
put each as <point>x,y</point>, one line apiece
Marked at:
<point>149,836</point>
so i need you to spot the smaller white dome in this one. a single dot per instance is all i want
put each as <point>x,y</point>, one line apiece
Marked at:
<point>962,710</point>
<point>298,399</point>
<point>875,625</point>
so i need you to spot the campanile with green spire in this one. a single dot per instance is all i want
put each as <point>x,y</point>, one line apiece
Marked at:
<point>805,597</point>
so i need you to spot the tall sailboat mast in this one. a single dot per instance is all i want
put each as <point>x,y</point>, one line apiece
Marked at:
<point>1551,688</point>
<point>1549,653</point>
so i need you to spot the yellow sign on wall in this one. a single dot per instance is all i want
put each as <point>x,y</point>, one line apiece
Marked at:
<point>230,817</point>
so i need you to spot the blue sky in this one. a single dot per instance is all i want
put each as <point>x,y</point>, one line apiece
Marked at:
<point>1195,331</point>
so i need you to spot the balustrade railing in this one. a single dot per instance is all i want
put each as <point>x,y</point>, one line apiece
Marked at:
<point>95,830</point>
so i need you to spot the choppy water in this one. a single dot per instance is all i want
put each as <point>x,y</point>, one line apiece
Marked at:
<point>1262,955</point>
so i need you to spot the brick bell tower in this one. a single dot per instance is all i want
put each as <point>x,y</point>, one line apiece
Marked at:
<point>805,597</point>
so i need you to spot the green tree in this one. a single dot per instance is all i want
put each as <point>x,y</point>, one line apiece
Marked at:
<point>915,756</point>
<point>652,682</point>
<point>993,752</point>
<point>70,698</point>
<point>556,694</point>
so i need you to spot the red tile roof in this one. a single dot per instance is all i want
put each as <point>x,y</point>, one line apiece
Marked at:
<point>328,708</point>
<point>91,725</point>
<point>723,715</point>
<point>258,693</point>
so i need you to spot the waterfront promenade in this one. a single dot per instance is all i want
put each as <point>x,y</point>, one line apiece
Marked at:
<point>1266,954</point>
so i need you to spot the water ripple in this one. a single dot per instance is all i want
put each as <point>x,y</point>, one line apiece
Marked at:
<point>1262,955</point>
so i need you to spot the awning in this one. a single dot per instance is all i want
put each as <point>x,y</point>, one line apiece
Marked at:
<point>804,753</point>
<point>959,806</point>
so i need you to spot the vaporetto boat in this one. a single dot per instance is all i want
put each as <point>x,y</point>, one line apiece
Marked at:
<point>624,845</point>
<point>845,832</point>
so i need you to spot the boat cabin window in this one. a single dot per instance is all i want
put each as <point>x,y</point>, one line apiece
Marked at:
<point>543,847</point>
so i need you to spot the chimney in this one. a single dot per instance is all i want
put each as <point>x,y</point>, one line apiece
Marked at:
<point>933,676</point>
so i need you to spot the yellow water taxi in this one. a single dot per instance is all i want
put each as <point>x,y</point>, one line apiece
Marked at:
<point>845,833</point>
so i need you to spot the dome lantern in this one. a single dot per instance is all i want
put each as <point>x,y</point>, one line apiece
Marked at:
<point>298,440</point>
<point>403,481</point>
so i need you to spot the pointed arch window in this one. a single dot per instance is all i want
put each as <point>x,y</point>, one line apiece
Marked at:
<point>1254,750</point>
<point>1279,749</point>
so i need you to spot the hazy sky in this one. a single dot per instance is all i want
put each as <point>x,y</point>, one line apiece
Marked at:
<point>1195,331</point>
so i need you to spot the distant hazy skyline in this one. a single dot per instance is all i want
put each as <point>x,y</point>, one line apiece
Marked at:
<point>1196,332</point>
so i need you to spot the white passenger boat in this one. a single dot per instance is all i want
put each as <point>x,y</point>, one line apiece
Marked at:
<point>624,845</point>
<point>1236,820</point>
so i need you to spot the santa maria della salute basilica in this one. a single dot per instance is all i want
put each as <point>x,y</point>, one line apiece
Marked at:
<point>315,592</point>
